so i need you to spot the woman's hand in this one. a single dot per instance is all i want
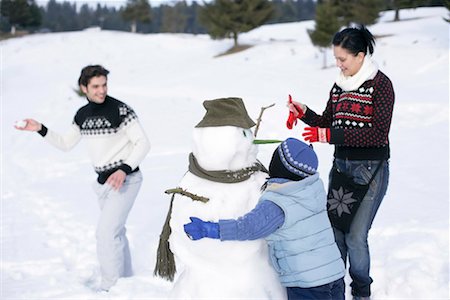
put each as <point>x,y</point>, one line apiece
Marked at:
<point>296,111</point>
<point>317,134</point>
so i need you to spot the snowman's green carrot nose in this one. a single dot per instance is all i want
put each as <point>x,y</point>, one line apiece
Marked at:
<point>259,142</point>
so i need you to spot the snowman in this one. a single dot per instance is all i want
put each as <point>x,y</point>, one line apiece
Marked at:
<point>223,182</point>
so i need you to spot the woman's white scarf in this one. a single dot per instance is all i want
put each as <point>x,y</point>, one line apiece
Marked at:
<point>367,71</point>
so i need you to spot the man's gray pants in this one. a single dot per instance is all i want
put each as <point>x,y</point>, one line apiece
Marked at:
<point>112,244</point>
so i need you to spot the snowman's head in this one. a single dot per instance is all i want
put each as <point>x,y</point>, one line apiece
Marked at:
<point>224,147</point>
<point>223,139</point>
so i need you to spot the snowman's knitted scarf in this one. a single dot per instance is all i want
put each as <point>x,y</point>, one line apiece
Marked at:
<point>224,176</point>
<point>165,262</point>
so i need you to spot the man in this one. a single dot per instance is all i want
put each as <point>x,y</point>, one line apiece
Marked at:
<point>116,145</point>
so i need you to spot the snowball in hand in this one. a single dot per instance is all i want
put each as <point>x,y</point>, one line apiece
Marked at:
<point>21,124</point>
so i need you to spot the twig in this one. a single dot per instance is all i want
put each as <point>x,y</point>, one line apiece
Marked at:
<point>187,194</point>
<point>258,121</point>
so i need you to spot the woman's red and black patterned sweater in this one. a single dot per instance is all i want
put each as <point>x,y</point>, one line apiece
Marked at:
<point>359,120</point>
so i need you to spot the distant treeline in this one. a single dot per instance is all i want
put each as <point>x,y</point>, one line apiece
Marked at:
<point>174,17</point>
<point>178,16</point>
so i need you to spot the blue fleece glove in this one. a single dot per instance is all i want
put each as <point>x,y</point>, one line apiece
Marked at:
<point>199,229</point>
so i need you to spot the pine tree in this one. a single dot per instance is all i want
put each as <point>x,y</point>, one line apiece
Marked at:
<point>358,11</point>
<point>61,16</point>
<point>287,11</point>
<point>24,13</point>
<point>327,24</point>
<point>113,20</point>
<point>306,9</point>
<point>137,11</point>
<point>193,24</point>
<point>85,16</point>
<point>229,18</point>
<point>366,11</point>
<point>174,18</point>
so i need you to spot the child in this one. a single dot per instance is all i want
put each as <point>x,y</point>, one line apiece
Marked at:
<point>291,215</point>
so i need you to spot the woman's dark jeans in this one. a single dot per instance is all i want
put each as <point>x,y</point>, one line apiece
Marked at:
<point>353,245</point>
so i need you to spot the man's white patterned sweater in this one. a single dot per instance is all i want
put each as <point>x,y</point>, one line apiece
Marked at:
<point>114,136</point>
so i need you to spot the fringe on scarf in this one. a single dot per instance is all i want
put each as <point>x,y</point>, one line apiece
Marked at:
<point>165,262</point>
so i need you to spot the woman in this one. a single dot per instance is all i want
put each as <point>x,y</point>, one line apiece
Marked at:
<point>356,120</point>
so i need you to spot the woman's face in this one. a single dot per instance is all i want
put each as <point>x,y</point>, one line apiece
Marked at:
<point>347,61</point>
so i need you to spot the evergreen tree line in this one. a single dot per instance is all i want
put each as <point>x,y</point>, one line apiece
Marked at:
<point>176,17</point>
<point>218,18</point>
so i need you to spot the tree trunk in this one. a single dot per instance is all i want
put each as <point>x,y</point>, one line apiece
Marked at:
<point>133,26</point>
<point>324,52</point>
<point>13,30</point>
<point>235,38</point>
<point>397,14</point>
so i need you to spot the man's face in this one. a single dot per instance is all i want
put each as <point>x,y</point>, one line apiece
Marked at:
<point>96,89</point>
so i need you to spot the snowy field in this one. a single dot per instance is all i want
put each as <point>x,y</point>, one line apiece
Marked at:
<point>49,210</point>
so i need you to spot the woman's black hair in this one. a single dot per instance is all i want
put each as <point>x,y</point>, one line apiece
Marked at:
<point>91,71</point>
<point>355,39</point>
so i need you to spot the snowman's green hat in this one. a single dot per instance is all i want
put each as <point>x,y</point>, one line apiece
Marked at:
<point>226,112</point>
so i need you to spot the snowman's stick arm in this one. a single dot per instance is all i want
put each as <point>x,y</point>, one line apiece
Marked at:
<point>258,121</point>
<point>179,190</point>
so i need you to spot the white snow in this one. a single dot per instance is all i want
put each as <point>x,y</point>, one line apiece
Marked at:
<point>49,210</point>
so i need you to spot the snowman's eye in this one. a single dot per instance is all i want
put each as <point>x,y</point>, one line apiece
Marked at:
<point>245,134</point>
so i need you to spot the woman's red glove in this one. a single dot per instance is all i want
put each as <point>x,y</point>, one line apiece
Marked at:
<point>317,134</point>
<point>295,112</point>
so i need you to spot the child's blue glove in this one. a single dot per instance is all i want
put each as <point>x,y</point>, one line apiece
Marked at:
<point>199,229</point>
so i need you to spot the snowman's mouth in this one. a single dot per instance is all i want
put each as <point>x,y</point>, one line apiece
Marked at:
<point>259,142</point>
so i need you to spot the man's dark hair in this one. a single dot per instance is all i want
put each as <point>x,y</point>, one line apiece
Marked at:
<point>91,71</point>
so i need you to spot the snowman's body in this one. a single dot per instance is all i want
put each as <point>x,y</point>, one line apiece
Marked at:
<point>210,268</point>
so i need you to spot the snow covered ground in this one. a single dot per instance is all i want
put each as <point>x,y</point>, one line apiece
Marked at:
<point>49,211</point>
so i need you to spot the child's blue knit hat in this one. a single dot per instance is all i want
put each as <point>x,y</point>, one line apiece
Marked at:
<point>294,160</point>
